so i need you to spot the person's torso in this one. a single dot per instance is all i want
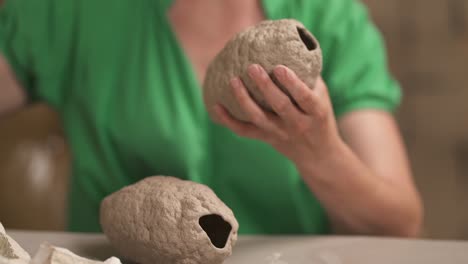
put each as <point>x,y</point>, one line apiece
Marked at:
<point>132,107</point>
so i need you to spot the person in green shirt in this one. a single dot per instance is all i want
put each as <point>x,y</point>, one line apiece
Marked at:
<point>125,77</point>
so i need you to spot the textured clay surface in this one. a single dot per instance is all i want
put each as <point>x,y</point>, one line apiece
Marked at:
<point>269,43</point>
<point>12,253</point>
<point>167,220</point>
<point>48,254</point>
<point>4,260</point>
<point>9,249</point>
<point>5,248</point>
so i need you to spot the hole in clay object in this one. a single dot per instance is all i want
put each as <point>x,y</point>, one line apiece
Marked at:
<point>307,39</point>
<point>216,228</point>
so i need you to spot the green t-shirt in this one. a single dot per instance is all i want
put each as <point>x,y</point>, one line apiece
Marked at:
<point>132,107</point>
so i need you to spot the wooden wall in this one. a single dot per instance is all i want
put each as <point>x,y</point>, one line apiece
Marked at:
<point>428,48</point>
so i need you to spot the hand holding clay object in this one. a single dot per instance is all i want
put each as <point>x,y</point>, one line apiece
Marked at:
<point>268,44</point>
<point>266,85</point>
<point>167,220</point>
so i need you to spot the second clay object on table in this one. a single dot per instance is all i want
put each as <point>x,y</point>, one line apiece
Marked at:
<point>269,43</point>
<point>163,219</point>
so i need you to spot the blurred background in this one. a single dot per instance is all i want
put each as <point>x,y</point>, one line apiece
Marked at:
<point>427,43</point>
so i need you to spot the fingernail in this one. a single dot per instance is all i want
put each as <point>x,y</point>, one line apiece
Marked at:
<point>288,73</point>
<point>281,72</point>
<point>254,69</point>
<point>235,82</point>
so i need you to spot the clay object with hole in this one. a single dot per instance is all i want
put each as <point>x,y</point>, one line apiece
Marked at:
<point>164,219</point>
<point>270,43</point>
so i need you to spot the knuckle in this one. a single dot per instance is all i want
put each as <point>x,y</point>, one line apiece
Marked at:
<point>321,114</point>
<point>262,83</point>
<point>282,106</point>
<point>265,80</point>
<point>295,85</point>
<point>257,119</point>
<point>306,99</point>
<point>241,97</point>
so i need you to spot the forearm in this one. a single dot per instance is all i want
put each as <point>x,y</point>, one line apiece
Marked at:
<point>357,200</point>
<point>381,200</point>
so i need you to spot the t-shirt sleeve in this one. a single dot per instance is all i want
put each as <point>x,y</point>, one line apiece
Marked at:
<point>36,39</point>
<point>355,60</point>
<point>14,43</point>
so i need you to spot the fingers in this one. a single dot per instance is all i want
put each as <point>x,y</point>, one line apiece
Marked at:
<point>238,127</point>
<point>309,101</point>
<point>279,102</point>
<point>289,119</point>
<point>255,114</point>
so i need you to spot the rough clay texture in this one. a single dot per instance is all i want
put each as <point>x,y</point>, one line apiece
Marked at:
<point>269,43</point>
<point>5,248</point>
<point>48,254</point>
<point>12,253</point>
<point>9,249</point>
<point>156,220</point>
<point>4,260</point>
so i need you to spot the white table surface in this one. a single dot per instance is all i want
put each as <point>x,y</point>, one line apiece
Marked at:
<point>284,250</point>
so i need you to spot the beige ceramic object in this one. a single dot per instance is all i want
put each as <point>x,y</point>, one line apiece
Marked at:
<point>6,249</point>
<point>10,251</point>
<point>48,254</point>
<point>4,260</point>
<point>270,43</point>
<point>167,220</point>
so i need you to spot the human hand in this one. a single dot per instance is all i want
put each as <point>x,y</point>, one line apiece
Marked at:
<point>302,133</point>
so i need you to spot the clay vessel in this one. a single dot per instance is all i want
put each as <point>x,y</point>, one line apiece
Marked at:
<point>269,43</point>
<point>167,220</point>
